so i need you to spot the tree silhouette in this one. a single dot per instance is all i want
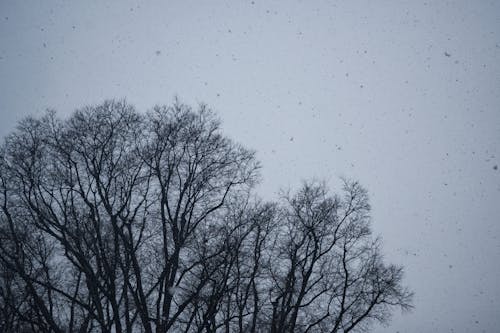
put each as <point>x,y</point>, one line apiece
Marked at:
<point>117,221</point>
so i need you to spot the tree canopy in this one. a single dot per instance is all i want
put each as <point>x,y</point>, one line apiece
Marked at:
<point>113,220</point>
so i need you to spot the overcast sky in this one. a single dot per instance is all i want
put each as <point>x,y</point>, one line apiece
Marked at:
<point>403,96</point>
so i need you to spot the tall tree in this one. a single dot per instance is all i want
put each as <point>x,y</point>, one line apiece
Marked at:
<point>116,221</point>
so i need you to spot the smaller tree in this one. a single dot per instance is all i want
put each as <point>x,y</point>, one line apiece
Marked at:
<point>327,273</point>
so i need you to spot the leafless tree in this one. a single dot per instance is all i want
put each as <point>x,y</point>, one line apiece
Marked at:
<point>117,221</point>
<point>328,274</point>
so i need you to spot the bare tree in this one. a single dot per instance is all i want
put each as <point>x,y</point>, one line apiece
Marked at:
<point>328,274</point>
<point>117,221</point>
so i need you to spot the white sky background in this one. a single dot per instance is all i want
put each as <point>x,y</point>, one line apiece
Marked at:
<point>403,96</point>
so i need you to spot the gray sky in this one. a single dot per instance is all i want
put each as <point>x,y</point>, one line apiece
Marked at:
<point>404,96</point>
